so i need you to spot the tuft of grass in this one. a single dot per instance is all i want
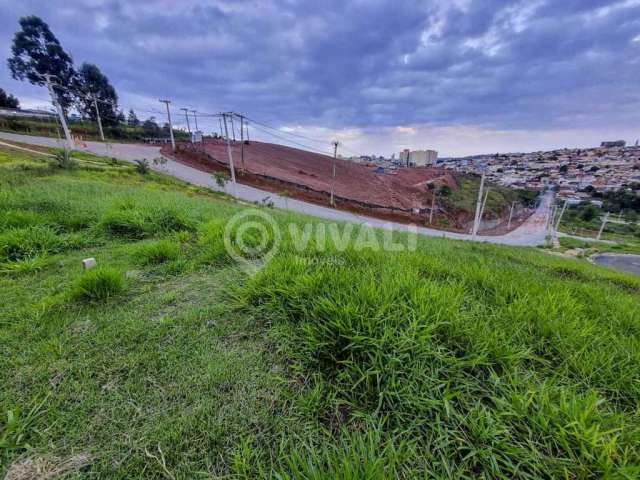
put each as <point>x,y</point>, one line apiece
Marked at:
<point>157,252</point>
<point>98,284</point>
<point>24,265</point>
<point>20,243</point>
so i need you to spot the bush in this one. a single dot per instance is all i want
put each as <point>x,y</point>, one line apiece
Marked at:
<point>98,284</point>
<point>142,166</point>
<point>64,160</point>
<point>158,252</point>
<point>19,243</point>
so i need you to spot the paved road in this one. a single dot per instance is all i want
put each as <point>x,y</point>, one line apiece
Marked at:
<point>531,233</point>
<point>622,262</point>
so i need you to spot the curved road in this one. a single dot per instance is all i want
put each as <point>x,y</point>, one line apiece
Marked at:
<point>531,233</point>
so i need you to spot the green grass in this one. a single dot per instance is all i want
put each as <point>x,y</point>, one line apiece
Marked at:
<point>458,360</point>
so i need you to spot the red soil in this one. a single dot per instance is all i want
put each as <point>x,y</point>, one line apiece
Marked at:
<point>404,189</point>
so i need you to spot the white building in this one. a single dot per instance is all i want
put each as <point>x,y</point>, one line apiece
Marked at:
<point>418,158</point>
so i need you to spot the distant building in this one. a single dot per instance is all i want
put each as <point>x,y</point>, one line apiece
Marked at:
<point>617,143</point>
<point>418,158</point>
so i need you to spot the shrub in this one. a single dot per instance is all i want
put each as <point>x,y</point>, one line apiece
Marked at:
<point>64,160</point>
<point>221,178</point>
<point>98,284</point>
<point>158,252</point>
<point>142,166</point>
<point>19,243</point>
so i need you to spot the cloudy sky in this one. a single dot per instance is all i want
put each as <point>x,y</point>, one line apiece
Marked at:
<point>459,76</point>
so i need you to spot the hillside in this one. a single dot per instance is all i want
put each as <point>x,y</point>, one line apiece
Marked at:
<point>404,194</point>
<point>451,360</point>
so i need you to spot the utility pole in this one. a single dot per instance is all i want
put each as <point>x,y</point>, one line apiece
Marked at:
<point>476,221</point>
<point>564,207</point>
<point>195,117</point>
<point>242,141</point>
<point>433,205</point>
<point>221,132</point>
<point>513,205</point>
<point>186,115</point>
<point>484,202</point>
<point>604,223</point>
<point>333,178</point>
<point>233,172</point>
<point>95,105</point>
<point>246,124</point>
<point>56,103</point>
<point>173,142</point>
<point>233,130</point>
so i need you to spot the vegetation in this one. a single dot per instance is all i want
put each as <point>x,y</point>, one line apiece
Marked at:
<point>499,199</point>
<point>586,219</point>
<point>457,360</point>
<point>8,101</point>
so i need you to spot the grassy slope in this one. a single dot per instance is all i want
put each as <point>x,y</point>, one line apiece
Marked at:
<point>456,360</point>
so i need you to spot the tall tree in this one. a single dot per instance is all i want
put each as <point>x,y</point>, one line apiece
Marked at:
<point>92,83</point>
<point>132,119</point>
<point>8,101</point>
<point>36,52</point>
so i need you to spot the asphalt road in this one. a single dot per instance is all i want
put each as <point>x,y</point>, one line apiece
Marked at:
<point>531,233</point>
<point>623,262</point>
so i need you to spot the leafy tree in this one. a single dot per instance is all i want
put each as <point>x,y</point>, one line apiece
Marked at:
<point>150,128</point>
<point>132,119</point>
<point>91,82</point>
<point>589,212</point>
<point>564,168</point>
<point>36,52</point>
<point>8,101</point>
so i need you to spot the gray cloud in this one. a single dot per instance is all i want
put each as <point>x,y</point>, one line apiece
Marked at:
<point>363,63</point>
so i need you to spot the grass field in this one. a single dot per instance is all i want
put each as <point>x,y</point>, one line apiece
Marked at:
<point>458,360</point>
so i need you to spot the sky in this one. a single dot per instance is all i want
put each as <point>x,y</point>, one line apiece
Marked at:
<point>462,76</point>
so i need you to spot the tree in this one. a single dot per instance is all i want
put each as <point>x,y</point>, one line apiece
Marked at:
<point>8,101</point>
<point>132,119</point>
<point>150,128</point>
<point>589,212</point>
<point>564,168</point>
<point>36,52</point>
<point>90,83</point>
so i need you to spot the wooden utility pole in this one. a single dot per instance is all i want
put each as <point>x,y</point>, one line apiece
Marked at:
<point>333,177</point>
<point>95,105</point>
<point>173,142</point>
<point>221,132</point>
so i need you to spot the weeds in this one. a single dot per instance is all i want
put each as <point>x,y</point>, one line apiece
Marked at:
<point>98,285</point>
<point>158,252</point>
<point>142,166</point>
